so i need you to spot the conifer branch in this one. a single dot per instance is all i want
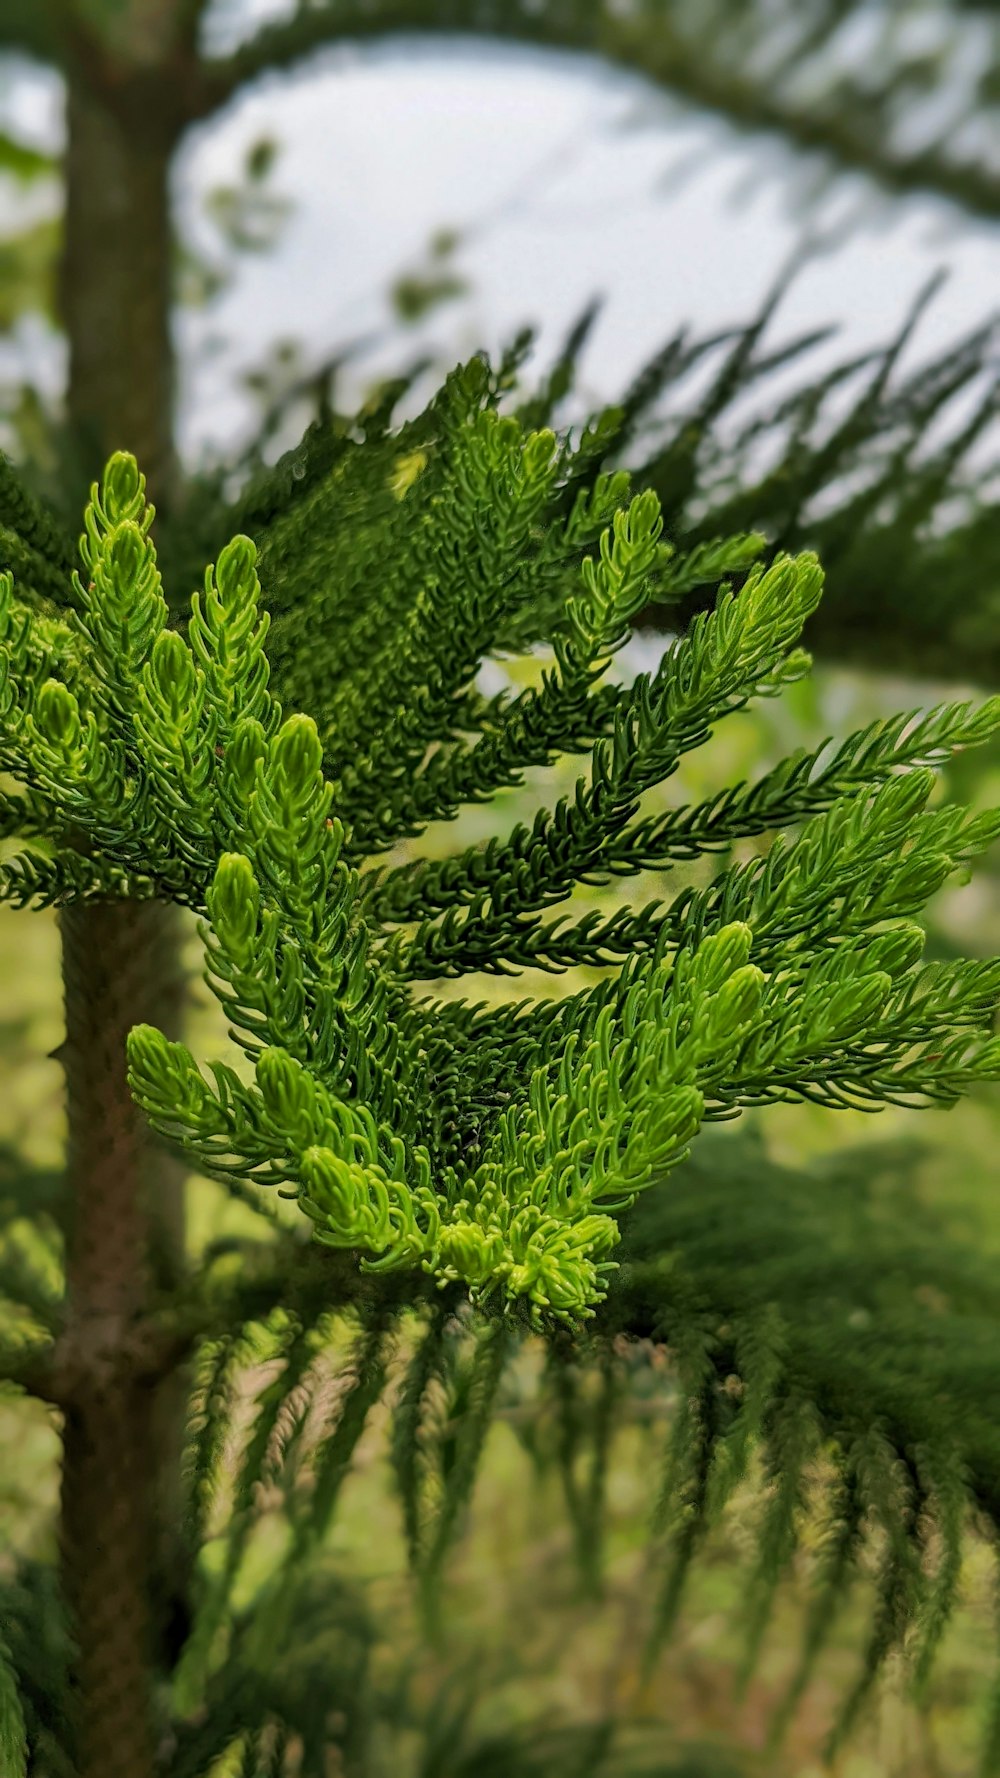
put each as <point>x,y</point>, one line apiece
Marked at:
<point>652,41</point>
<point>499,1165</point>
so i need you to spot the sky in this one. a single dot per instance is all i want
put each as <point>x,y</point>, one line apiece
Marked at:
<point>562,181</point>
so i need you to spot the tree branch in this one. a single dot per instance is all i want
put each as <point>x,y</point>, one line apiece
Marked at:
<point>285,1272</point>
<point>851,134</point>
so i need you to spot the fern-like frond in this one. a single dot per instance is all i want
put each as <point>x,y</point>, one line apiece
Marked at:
<point>170,767</point>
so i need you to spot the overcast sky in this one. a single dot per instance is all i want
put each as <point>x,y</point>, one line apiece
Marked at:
<point>556,173</point>
<point>560,178</point>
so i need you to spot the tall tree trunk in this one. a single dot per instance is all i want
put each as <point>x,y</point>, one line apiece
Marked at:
<point>116,278</point>
<point>120,966</point>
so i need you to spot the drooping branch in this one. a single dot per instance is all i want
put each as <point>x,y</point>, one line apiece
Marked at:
<point>853,127</point>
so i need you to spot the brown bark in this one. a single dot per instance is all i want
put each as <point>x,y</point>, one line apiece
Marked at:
<point>120,1529</point>
<point>118,959</point>
<point>116,281</point>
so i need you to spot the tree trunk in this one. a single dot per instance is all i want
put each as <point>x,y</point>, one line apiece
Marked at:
<point>116,279</point>
<point>118,964</point>
<point>121,1478</point>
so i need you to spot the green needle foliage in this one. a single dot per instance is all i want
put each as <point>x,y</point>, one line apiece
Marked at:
<point>410,1133</point>
<point>482,1171</point>
<point>882,465</point>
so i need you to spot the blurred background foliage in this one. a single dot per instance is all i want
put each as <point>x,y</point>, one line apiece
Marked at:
<point>881,449</point>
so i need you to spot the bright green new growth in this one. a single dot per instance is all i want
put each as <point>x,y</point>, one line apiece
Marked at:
<point>493,1148</point>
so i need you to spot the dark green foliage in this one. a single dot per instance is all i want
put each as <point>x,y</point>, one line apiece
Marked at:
<point>880,1378</point>
<point>35,1708</point>
<point>844,464</point>
<point>478,1174</point>
<point>819,1327</point>
<point>32,544</point>
<point>884,470</point>
<point>270,1686</point>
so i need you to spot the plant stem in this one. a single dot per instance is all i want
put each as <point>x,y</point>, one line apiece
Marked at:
<point>117,962</point>
<point>120,1525</point>
<point>115,281</point>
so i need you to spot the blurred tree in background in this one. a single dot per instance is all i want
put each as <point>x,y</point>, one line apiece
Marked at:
<point>903,94</point>
<point>861,461</point>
